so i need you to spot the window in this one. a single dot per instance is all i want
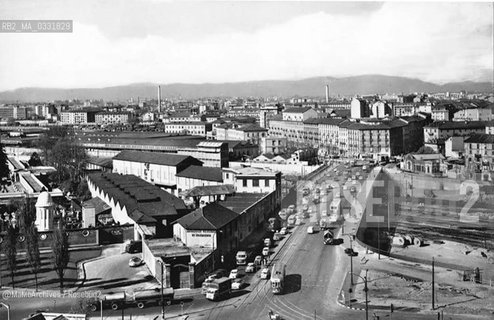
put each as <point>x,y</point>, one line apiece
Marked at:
<point>255,182</point>
<point>266,182</point>
<point>244,182</point>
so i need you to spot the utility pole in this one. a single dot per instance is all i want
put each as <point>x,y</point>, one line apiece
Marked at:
<point>433,283</point>
<point>162,300</point>
<point>366,300</point>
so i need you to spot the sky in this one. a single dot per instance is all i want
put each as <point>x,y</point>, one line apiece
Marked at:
<point>139,41</point>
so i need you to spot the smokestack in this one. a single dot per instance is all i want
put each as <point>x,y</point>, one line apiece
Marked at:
<point>159,99</point>
<point>327,93</point>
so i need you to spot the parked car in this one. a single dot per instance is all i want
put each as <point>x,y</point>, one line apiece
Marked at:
<point>251,267</point>
<point>257,260</point>
<point>310,230</point>
<point>265,273</point>
<point>283,231</point>
<point>135,262</point>
<point>237,284</point>
<point>233,274</point>
<point>265,251</point>
<point>133,246</point>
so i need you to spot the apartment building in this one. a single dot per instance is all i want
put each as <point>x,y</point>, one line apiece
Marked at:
<point>210,153</point>
<point>196,128</point>
<point>273,145</point>
<point>103,118</point>
<point>78,116</point>
<point>441,130</point>
<point>479,152</point>
<point>479,114</point>
<point>299,114</point>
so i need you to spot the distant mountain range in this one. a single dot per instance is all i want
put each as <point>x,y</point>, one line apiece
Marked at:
<point>344,86</point>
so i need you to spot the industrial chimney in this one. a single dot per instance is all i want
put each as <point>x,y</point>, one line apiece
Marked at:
<point>327,93</point>
<point>159,99</point>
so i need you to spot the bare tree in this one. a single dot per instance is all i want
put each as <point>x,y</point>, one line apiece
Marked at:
<point>32,251</point>
<point>60,251</point>
<point>10,250</point>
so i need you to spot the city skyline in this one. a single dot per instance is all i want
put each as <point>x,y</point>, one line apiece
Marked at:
<point>214,42</point>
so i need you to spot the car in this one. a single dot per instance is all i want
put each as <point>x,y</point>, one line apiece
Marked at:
<point>267,242</point>
<point>283,231</point>
<point>135,262</point>
<point>257,260</point>
<point>233,274</point>
<point>133,246</point>
<point>237,284</point>
<point>291,207</point>
<point>216,275</point>
<point>310,230</point>
<point>350,252</point>
<point>265,273</point>
<point>251,267</point>
<point>265,251</point>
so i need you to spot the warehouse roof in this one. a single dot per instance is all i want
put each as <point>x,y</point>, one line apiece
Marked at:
<point>139,197</point>
<point>211,217</point>
<point>202,173</point>
<point>167,159</point>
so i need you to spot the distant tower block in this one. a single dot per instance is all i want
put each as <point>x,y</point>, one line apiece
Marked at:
<point>44,212</point>
<point>327,93</point>
<point>159,99</point>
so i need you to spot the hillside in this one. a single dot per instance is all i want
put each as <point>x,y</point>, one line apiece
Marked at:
<point>345,86</point>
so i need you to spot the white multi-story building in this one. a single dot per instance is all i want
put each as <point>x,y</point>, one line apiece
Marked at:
<point>299,114</point>
<point>478,114</point>
<point>273,145</point>
<point>211,153</point>
<point>440,131</point>
<point>113,117</point>
<point>191,128</point>
<point>158,168</point>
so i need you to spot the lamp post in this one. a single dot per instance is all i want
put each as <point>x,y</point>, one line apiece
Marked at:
<point>101,308</point>
<point>366,290</point>
<point>8,309</point>
<point>351,256</point>
<point>161,290</point>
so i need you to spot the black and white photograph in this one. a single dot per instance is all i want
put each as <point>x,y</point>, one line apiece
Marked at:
<point>245,160</point>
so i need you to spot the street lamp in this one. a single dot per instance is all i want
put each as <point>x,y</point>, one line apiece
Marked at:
<point>366,289</point>
<point>8,309</point>
<point>162,301</point>
<point>351,256</point>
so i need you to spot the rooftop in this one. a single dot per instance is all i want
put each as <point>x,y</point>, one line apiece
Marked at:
<point>449,125</point>
<point>241,201</point>
<point>202,173</point>
<point>96,203</point>
<point>167,248</point>
<point>211,217</point>
<point>297,110</point>
<point>137,195</point>
<point>480,138</point>
<point>252,172</point>
<point>166,159</point>
<point>209,191</point>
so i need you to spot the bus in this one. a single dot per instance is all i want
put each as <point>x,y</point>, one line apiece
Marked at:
<point>335,210</point>
<point>277,278</point>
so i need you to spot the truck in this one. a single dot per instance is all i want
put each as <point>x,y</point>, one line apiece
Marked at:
<point>140,299</point>
<point>277,278</point>
<point>328,237</point>
<point>219,288</point>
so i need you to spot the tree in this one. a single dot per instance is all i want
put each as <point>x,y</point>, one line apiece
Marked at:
<point>27,218</point>
<point>35,160</point>
<point>10,250</point>
<point>60,252</point>
<point>32,251</point>
<point>4,167</point>
<point>69,159</point>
